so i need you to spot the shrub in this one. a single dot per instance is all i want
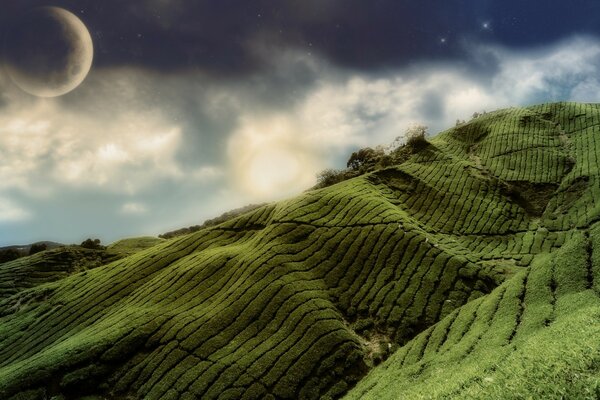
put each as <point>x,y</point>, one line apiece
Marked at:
<point>93,244</point>
<point>9,255</point>
<point>330,177</point>
<point>365,159</point>
<point>37,248</point>
<point>416,135</point>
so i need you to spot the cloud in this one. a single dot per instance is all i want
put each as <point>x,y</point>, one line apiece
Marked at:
<point>272,157</point>
<point>123,148</point>
<point>186,145</point>
<point>134,209</point>
<point>218,38</point>
<point>10,212</point>
<point>344,109</point>
<point>365,108</point>
<point>561,71</point>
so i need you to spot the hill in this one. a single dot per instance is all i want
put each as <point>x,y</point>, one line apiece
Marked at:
<point>61,261</point>
<point>10,253</point>
<point>472,265</point>
<point>24,248</point>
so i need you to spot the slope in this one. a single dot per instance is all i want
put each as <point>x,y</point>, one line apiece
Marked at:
<point>299,299</point>
<point>535,336</point>
<point>50,266</point>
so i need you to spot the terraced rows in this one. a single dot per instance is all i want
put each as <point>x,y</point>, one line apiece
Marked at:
<point>300,299</point>
<point>48,267</point>
<point>250,309</point>
<point>534,336</point>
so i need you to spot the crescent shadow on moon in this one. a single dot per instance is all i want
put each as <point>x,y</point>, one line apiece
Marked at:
<point>49,52</point>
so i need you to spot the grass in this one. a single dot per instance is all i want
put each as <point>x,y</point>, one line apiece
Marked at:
<point>133,245</point>
<point>471,267</point>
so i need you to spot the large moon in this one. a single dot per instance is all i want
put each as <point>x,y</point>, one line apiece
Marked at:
<point>48,52</point>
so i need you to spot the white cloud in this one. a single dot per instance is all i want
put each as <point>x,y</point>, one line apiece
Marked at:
<point>134,209</point>
<point>551,73</point>
<point>125,147</point>
<point>374,108</point>
<point>282,151</point>
<point>132,132</point>
<point>11,212</point>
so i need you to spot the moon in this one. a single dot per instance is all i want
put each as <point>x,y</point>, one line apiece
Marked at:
<point>48,52</point>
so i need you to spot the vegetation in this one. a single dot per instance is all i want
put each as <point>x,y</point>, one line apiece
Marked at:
<point>46,266</point>
<point>9,254</point>
<point>211,222</point>
<point>37,248</point>
<point>468,268</point>
<point>93,244</point>
<point>368,159</point>
<point>133,245</point>
<point>535,336</point>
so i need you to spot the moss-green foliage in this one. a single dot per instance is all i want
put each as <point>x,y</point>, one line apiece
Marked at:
<point>456,264</point>
<point>211,222</point>
<point>133,245</point>
<point>48,266</point>
<point>536,335</point>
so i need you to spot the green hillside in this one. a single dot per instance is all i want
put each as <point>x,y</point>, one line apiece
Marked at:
<point>472,266</point>
<point>133,245</point>
<point>536,335</point>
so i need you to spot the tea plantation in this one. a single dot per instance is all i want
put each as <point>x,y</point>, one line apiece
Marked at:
<point>470,270</point>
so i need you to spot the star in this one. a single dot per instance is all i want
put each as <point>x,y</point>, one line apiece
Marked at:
<point>486,26</point>
<point>443,40</point>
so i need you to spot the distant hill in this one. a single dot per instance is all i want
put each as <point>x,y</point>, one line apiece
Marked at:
<point>10,253</point>
<point>25,248</point>
<point>470,269</point>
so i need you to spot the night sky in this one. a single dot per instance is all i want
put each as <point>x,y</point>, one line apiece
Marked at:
<point>196,107</point>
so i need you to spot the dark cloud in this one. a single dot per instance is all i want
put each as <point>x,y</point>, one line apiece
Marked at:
<point>222,37</point>
<point>197,76</point>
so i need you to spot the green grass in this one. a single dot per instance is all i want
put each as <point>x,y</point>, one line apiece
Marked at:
<point>535,336</point>
<point>471,265</point>
<point>133,245</point>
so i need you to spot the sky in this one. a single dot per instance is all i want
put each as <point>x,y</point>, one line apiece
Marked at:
<point>193,108</point>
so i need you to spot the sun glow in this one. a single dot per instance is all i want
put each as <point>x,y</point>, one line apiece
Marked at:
<point>272,168</point>
<point>269,158</point>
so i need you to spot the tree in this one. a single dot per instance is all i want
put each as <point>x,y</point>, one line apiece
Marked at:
<point>416,134</point>
<point>365,158</point>
<point>37,248</point>
<point>93,244</point>
<point>330,177</point>
<point>9,255</point>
